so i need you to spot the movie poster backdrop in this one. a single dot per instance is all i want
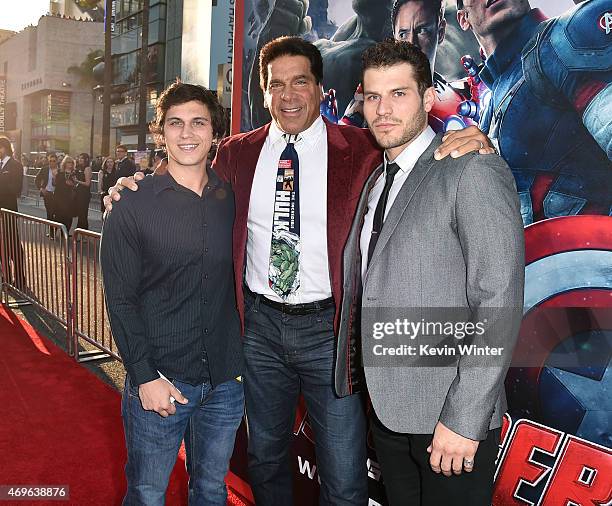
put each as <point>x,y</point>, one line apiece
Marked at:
<point>557,434</point>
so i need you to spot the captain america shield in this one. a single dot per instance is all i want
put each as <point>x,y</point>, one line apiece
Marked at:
<point>567,313</point>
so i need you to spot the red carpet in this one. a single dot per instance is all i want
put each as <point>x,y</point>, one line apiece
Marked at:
<point>60,424</point>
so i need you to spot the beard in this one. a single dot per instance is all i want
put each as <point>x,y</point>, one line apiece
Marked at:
<point>412,128</point>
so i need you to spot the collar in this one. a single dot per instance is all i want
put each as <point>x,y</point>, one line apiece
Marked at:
<point>5,160</point>
<point>510,48</point>
<point>308,136</point>
<point>165,181</point>
<point>407,159</point>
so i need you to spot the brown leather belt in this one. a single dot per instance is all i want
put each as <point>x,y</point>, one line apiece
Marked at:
<point>293,309</point>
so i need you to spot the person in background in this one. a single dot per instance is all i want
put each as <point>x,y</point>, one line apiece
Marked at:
<point>160,160</point>
<point>83,189</point>
<point>107,177</point>
<point>124,165</point>
<point>45,182</point>
<point>11,179</point>
<point>65,193</point>
<point>96,163</point>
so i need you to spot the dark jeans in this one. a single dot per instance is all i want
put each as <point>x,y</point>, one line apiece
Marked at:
<point>285,355</point>
<point>208,423</point>
<point>49,200</point>
<point>409,480</point>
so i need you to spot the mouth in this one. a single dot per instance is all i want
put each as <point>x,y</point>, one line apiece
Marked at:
<point>384,126</point>
<point>188,148</point>
<point>490,2</point>
<point>291,110</point>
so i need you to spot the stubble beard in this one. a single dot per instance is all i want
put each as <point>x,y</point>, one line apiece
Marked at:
<point>413,127</point>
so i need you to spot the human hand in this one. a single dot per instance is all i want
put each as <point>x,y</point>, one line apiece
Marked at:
<point>122,182</point>
<point>451,453</point>
<point>288,17</point>
<point>155,396</point>
<point>457,143</point>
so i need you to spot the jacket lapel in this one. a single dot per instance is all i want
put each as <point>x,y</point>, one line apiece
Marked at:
<point>415,178</point>
<point>339,175</point>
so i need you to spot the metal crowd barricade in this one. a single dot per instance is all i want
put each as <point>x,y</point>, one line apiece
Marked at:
<point>35,266</point>
<point>92,337</point>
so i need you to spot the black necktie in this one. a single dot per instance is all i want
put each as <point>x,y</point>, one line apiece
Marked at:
<point>283,270</point>
<point>379,214</point>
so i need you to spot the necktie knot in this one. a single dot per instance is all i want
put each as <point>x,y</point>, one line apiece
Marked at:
<point>291,138</point>
<point>392,169</point>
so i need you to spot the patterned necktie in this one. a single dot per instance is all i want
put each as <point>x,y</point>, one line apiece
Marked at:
<point>379,214</point>
<point>283,270</point>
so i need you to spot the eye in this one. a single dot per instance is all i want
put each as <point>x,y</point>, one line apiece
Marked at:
<point>401,35</point>
<point>423,30</point>
<point>200,122</point>
<point>371,98</point>
<point>301,82</point>
<point>274,86</point>
<point>398,94</point>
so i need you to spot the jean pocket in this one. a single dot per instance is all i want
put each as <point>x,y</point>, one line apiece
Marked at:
<point>131,388</point>
<point>325,319</point>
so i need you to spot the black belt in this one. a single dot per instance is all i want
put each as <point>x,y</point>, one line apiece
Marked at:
<point>293,309</point>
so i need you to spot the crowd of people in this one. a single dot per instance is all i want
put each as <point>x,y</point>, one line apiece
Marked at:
<point>65,182</point>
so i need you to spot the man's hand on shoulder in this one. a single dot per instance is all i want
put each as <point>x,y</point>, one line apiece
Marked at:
<point>155,396</point>
<point>461,142</point>
<point>450,452</point>
<point>122,182</point>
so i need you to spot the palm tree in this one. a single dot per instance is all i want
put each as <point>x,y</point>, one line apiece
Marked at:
<point>84,71</point>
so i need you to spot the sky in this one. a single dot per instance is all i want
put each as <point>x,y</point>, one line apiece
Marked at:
<point>22,13</point>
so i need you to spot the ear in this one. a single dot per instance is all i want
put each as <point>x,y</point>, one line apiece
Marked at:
<point>462,19</point>
<point>265,100</point>
<point>441,31</point>
<point>429,98</point>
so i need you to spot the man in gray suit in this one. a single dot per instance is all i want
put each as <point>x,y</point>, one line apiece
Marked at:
<point>433,287</point>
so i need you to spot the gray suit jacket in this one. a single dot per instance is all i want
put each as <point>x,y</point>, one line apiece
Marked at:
<point>453,238</point>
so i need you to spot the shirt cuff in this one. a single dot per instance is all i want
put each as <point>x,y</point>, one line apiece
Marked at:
<point>142,372</point>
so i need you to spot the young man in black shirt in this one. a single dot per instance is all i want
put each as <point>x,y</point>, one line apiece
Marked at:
<point>166,256</point>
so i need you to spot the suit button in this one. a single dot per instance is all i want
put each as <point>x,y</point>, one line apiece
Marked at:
<point>205,331</point>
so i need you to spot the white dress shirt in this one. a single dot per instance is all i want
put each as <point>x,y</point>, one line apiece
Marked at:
<point>50,185</point>
<point>406,160</point>
<point>313,271</point>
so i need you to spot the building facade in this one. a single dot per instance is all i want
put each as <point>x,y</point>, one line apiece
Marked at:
<point>46,107</point>
<point>188,39</point>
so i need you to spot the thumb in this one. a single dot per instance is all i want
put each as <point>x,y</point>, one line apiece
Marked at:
<point>138,176</point>
<point>176,393</point>
<point>429,449</point>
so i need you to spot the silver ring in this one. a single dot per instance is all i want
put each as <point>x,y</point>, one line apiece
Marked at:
<point>481,145</point>
<point>468,462</point>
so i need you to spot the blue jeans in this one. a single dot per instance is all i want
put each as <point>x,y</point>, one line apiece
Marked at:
<point>208,423</point>
<point>286,355</point>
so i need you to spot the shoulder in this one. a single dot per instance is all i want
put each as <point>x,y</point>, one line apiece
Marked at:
<point>581,37</point>
<point>359,138</point>
<point>236,139</point>
<point>135,201</point>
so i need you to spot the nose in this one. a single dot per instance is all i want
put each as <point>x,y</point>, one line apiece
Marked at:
<point>413,38</point>
<point>186,130</point>
<point>384,107</point>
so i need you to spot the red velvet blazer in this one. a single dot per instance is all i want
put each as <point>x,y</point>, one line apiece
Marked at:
<point>351,156</point>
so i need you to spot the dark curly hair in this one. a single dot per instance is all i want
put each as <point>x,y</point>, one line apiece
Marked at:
<point>180,93</point>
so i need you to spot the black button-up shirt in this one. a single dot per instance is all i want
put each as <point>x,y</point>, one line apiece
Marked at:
<point>166,257</point>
